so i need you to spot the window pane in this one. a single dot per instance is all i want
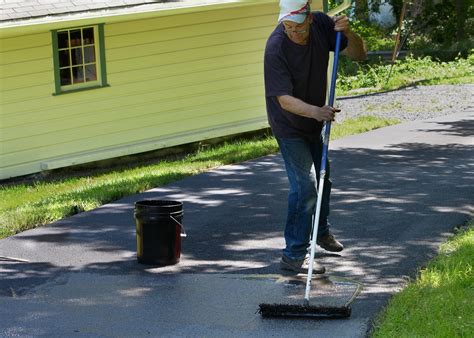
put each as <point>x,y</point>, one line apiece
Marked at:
<point>78,74</point>
<point>89,54</point>
<point>63,40</point>
<point>77,59</point>
<point>91,73</point>
<point>76,56</point>
<point>65,76</point>
<point>76,38</point>
<point>88,36</point>
<point>64,58</point>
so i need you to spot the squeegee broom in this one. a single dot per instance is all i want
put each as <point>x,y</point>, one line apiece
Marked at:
<point>306,309</point>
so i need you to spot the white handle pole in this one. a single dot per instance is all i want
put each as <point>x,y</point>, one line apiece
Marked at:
<point>315,235</point>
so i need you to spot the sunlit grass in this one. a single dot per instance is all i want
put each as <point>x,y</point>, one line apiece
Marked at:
<point>440,302</point>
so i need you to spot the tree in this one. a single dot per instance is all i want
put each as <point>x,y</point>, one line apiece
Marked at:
<point>461,19</point>
<point>361,10</point>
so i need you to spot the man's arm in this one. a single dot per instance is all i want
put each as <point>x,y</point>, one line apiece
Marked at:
<point>299,107</point>
<point>355,45</point>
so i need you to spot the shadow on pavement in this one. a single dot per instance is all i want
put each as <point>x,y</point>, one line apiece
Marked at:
<point>464,128</point>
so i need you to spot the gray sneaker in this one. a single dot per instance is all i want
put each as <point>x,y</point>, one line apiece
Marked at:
<point>300,265</point>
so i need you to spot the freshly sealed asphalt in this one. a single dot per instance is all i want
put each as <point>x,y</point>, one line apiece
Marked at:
<point>398,192</point>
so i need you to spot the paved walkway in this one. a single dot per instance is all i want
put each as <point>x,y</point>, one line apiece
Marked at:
<point>397,194</point>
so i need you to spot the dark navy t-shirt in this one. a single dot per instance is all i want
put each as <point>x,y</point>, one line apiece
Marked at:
<point>299,71</point>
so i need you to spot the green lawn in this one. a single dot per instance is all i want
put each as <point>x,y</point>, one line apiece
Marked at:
<point>440,302</point>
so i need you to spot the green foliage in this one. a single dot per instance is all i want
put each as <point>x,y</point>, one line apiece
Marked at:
<point>428,24</point>
<point>365,78</point>
<point>439,303</point>
<point>445,24</point>
<point>374,37</point>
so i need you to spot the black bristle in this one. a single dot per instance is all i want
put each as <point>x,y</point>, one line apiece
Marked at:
<point>287,310</point>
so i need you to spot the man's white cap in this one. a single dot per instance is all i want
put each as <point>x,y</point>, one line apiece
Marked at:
<point>293,10</point>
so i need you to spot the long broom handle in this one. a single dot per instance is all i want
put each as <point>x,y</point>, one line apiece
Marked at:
<point>322,172</point>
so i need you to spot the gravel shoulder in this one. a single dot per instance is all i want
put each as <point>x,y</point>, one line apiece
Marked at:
<point>409,104</point>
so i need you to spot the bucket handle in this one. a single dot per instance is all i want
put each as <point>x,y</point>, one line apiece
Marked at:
<point>183,232</point>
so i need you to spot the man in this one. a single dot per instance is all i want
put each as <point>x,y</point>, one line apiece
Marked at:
<point>296,61</point>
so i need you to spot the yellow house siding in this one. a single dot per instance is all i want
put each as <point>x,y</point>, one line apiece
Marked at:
<point>26,73</point>
<point>173,80</point>
<point>25,67</point>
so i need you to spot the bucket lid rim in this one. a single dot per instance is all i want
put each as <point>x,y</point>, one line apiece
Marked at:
<point>166,203</point>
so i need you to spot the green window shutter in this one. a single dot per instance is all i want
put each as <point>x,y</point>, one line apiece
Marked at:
<point>57,81</point>
<point>102,56</point>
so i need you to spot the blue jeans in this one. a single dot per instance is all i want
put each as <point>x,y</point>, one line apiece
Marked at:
<point>301,157</point>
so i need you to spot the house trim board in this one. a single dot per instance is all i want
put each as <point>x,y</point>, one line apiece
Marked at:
<point>223,130</point>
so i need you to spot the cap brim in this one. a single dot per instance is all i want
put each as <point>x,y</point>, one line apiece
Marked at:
<point>298,18</point>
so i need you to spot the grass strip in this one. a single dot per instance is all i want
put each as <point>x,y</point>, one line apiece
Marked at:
<point>371,78</point>
<point>24,207</point>
<point>439,303</point>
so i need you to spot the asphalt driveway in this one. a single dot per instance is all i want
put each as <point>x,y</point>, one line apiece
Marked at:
<point>398,192</point>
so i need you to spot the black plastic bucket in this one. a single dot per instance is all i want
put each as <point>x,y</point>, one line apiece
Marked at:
<point>159,231</point>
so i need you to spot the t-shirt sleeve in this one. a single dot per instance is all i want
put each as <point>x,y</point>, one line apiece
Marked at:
<point>277,76</point>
